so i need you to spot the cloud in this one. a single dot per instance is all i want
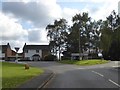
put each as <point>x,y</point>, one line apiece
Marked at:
<point>39,13</point>
<point>37,35</point>
<point>97,9</point>
<point>68,13</point>
<point>10,29</point>
<point>106,9</point>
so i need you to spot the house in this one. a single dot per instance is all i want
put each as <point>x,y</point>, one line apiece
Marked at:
<point>77,56</point>
<point>20,56</point>
<point>30,52</point>
<point>6,53</point>
<point>35,52</point>
<point>89,54</point>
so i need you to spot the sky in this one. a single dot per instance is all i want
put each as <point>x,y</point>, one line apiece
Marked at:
<point>24,21</point>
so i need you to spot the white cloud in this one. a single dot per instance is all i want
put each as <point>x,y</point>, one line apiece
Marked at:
<point>104,1</point>
<point>98,12</point>
<point>11,29</point>
<point>37,35</point>
<point>106,9</point>
<point>39,13</point>
<point>68,13</point>
<point>11,32</point>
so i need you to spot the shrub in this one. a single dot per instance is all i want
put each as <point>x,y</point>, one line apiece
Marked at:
<point>50,57</point>
<point>65,58</point>
<point>94,56</point>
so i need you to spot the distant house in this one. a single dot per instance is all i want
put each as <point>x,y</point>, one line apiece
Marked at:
<point>20,56</point>
<point>35,52</point>
<point>89,54</point>
<point>6,53</point>
<point>76,56</point>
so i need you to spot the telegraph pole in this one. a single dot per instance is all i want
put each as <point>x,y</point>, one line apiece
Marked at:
<point>16,48</point>
<point>79,47</point>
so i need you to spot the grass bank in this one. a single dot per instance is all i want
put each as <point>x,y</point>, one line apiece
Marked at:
<point>84,62</point>
<point>15,74</point>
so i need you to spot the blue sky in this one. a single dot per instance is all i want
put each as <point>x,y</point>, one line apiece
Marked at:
<point>79,5</point>
<point>26,25</point>
<point>93,7</point>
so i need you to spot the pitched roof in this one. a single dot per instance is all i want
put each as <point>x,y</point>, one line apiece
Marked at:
<point>13,52</point>
<point>36,47</point>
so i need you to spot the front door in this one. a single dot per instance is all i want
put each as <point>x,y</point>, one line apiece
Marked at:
<point>36,57</point>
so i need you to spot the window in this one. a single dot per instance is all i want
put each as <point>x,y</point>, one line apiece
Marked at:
<point>37,51</point>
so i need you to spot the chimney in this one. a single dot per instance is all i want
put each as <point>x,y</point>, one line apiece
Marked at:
<point>25,44</point>
<point>8,45</point>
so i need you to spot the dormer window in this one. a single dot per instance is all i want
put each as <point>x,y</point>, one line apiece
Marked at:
<point>37,51</point>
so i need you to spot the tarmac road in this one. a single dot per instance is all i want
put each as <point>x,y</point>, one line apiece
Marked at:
<point>73,76</point>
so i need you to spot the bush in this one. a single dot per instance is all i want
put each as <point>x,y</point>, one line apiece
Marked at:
<point>50,57</point>
<point>65,58</point>
<point>94,56</point>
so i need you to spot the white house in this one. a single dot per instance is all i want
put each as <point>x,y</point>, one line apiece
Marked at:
<point>35,52</point>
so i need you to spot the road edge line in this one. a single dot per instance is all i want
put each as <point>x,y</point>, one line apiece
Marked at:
<point>114,82</point>
<point>46,81</point>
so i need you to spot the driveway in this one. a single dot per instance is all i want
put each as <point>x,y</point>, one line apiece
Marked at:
<point>73,76</point>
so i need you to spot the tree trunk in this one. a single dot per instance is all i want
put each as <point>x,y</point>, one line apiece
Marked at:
<point>59,54</point>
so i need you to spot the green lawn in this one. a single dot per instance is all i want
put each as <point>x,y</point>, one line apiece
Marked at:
<point>15,74</point>
<point>84,62</point>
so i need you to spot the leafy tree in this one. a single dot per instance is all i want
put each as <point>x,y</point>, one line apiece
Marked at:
<point>110,39</point>
<point>51,34</point>
<point>114,50</point>
<point>84,34</point>
<point>81,21</point>
<point>57,34</point>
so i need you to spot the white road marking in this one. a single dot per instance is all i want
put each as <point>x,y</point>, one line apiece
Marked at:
<point>108,79</point>
<point>114,66</point>
<point>98,73</point>
<point>114,82</point>
<point>116,62</point>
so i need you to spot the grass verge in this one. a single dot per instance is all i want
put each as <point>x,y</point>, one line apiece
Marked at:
<point>15,74</point>
<point>84,62</point>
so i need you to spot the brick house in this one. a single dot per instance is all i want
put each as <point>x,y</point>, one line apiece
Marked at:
<point>35,52</point>
<point>6,53</point>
